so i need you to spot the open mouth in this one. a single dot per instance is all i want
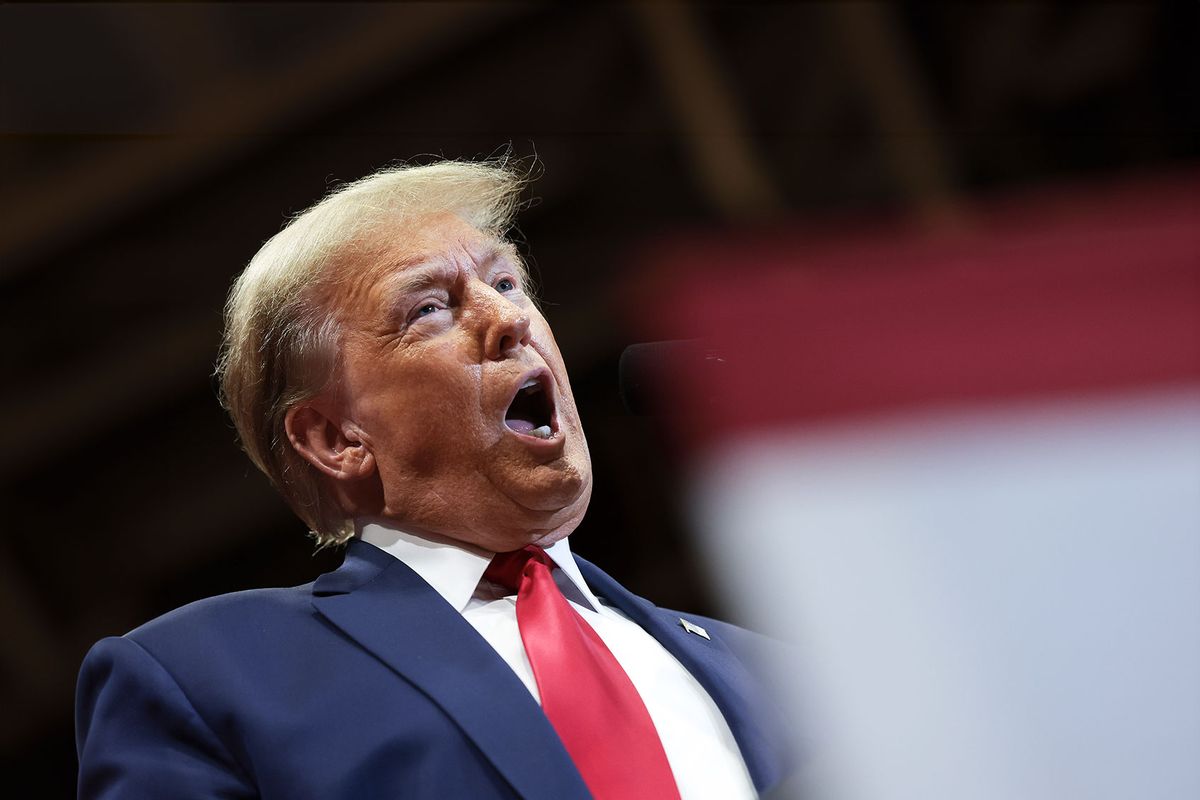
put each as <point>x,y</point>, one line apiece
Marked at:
<point>531,411</point>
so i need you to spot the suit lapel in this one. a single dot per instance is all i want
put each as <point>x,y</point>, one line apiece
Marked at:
<point>739,696</point>
<point>389,610</point>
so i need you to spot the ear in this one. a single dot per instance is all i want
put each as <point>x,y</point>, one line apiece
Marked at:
<point>332,446</point>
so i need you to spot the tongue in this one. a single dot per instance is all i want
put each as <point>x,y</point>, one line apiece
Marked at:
<point>519,425</point>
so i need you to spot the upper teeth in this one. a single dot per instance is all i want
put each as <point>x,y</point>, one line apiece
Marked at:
<point>530,385</point>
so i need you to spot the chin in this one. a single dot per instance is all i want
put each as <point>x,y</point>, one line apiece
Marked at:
<point>547,502</point>
<point>548,489</point>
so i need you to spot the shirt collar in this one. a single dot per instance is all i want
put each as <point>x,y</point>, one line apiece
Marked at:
<point>453,569</point>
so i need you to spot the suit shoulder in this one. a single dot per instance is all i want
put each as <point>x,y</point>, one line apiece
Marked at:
<point>251,608</point>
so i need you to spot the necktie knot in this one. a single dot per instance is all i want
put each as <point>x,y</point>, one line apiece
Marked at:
<point>507,569</point>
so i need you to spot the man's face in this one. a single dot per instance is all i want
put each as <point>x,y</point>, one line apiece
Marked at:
<point>453,381</point>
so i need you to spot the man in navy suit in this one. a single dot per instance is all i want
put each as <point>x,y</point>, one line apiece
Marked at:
<point>387,368</point>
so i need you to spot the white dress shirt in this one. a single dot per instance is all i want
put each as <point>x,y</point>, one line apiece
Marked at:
<point>700,748</point>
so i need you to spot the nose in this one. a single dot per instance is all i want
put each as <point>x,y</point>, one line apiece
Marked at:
<point>507,331</point>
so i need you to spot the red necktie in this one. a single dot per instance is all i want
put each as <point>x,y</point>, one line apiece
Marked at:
<point>588,698</point>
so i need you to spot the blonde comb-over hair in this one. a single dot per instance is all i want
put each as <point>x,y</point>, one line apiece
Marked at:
<point>281,335</point>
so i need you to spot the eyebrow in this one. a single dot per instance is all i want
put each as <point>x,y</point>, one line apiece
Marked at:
<point>423,270</point>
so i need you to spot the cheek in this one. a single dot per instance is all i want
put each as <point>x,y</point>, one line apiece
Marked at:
<point>433,422</point>
<point>547,348</point>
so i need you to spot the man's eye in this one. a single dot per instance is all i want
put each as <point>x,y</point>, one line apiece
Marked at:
<point>424,310</point>
<point>505,285</point>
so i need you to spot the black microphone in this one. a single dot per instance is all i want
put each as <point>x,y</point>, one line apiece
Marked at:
<point>644,367</point>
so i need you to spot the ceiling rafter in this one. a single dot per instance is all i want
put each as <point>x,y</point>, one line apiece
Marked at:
<point>51,209</point>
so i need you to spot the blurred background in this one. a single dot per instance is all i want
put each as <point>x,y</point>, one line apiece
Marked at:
<point>148,149</point>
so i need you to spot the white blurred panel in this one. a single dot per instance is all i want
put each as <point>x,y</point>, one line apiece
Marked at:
<point>990,604</point>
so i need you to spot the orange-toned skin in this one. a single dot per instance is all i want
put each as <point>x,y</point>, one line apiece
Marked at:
<point>438,333</point>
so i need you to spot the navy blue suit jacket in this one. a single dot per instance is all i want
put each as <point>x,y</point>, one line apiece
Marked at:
<point>364,684</point>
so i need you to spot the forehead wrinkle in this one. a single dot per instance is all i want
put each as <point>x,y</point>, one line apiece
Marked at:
<point>389,277</point>
<point>422,275</point>
<point>422,270</point>
<point>505,249</point>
